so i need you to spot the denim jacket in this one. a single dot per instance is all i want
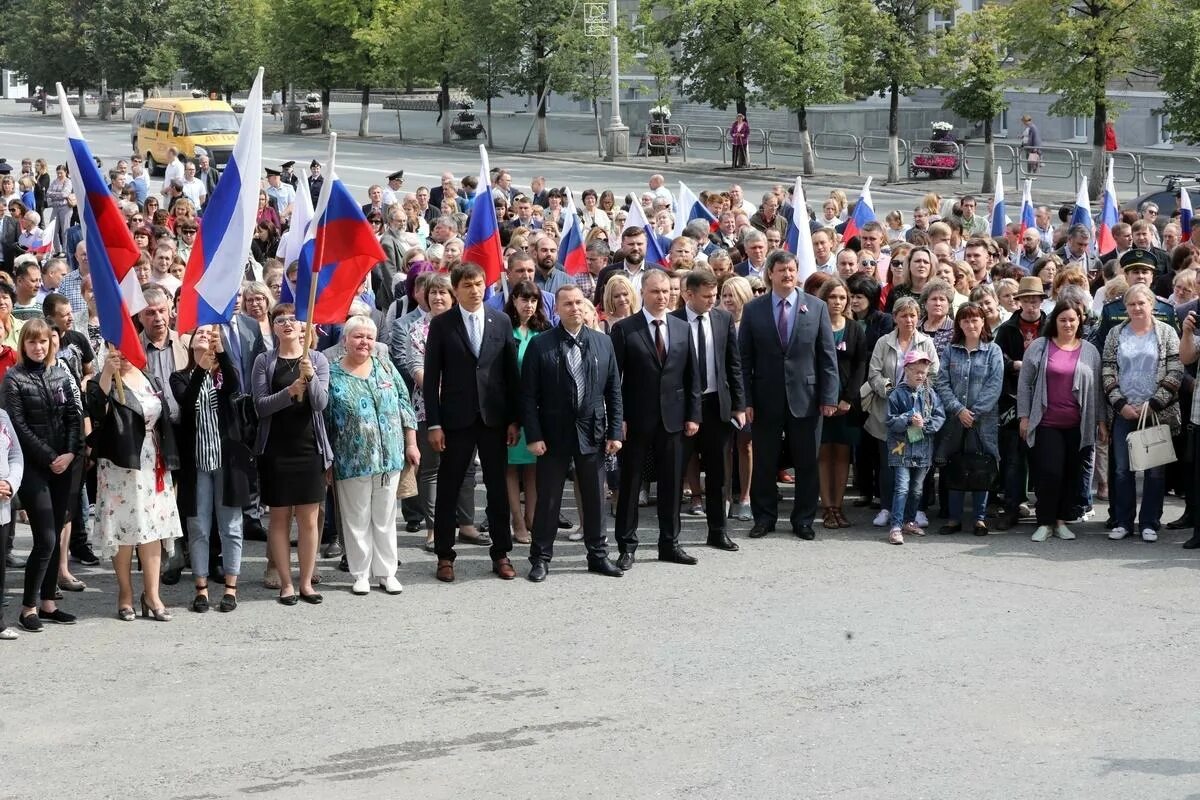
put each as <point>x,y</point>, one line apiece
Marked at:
<point>903,402</point>
<point>971,380</point>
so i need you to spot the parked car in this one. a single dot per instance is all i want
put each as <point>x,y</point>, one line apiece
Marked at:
<point>194,127</point>
<point>1167,198</point>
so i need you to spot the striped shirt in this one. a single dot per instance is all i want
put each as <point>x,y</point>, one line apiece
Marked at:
<point>208,433</point>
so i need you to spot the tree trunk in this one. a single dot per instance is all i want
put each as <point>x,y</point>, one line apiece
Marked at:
<point>543,139</point>
<point>364,113</point>
<point>809,163</point>
<point>740,104</point>
<point>326,123</point>
<point>599,135</point>
<point>989,159</point>
<point>83,111</point>
<point>1099,155</point>
<point>489,117</point>
<point>894,134</point>
<point>444,106</point>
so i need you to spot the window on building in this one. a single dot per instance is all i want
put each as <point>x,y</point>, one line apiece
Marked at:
<point>1082,128</point>
<point>1162,130</point>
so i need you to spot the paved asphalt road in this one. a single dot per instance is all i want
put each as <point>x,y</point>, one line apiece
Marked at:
<point>951,667</point>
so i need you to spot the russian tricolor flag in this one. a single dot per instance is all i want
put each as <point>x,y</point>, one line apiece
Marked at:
<point>482,243</point>
<point>637,217</point>
<point>1185,214</point>
<point>217,264</point>
<point>46,242</point>
<point>1027,219</point>
<point>571,255</point>
<point>338,253</point>
<point>1082,214</point>
<point>690,208</point>
<point>1109,216</point>
<point>799,235</point>
<point>864,212</point>
<point>110,246</point>
<point>998,216</point>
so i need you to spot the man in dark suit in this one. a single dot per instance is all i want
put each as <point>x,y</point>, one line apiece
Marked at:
<point>755,244</point>
<point>660,390</point>
<point>571,408</point>
<point>243,340</point>
<point>722,398</point>
<point>471,384</point>
<point>789,364</point>
<point>10,232</point>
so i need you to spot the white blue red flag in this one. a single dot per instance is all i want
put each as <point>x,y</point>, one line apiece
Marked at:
<point>46,241</point>
<point>1109,214</point>
<point>1185,214</point>
<point>482,243</point>
<point>571,255</point>
<point>217,263</point>
<point>1027,219</point>
<point>1082,214</point>
<point>110,246</point>
<point>998,216</point>
<point>690,208</point>
<point>338,254</point>
<point>637,219</point>
<point>864,212</point>
<point>799,235</point>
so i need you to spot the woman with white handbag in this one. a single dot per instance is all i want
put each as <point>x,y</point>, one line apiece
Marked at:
<point>1059,403</point>
<point>1142,374</point>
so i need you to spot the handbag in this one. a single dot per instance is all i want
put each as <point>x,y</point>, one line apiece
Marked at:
<point>970,471</point>
<point>407,487</point>
<point>1149,446</point>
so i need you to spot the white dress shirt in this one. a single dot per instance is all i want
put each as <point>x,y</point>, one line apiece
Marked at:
<point>710,357</point>
<point>666,335</point>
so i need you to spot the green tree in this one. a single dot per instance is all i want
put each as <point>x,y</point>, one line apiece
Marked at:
<point>62,50</point>
<point>889,44</point>
<point>1172,44</point>
<point>1074,48</point>
<point>974,75</point>
<point>223,58</point>
<point>543,20</point>
<point>133,56</point>
<point>805,67</point>
<point>715,47</point>
<point>490,51</point>
<point>583,67</point>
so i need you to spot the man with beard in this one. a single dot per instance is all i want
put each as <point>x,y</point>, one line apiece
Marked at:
<point>549,277</point>
<point>1031,250</point>
<point>633,266</point>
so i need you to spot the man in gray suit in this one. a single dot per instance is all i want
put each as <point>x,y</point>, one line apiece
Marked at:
<point>789,366</point>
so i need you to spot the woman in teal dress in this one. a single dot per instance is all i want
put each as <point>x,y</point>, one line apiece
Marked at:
<point>524,308</point>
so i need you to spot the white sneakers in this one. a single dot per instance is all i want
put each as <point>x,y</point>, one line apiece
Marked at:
<point>1149,535</point>
<point>361,586</point>
<point>1042,533</point>
<point>882,518</point>
<point>391,585</point>
<point>922,520</point>
<point>1117,533</point>
<point>1063,532</point>
<point>896,536</point>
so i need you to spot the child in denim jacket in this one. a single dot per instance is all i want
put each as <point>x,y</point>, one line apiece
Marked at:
<point>914,415</point>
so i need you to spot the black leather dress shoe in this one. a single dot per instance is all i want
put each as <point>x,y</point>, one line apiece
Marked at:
<point>1177,525</point>
<point>252,529</point>
<point>605,567</point>
<point>805,532</point>
<point>721,541</point>
<point>413,526</point>
<point>759,531</point>
<point>1192,543</point>
<point>564,523</point>
<point>676,556</point>
<point>332,550</point>
<point>171,576</point>
<point>625,562</point>
<point>537,572</point>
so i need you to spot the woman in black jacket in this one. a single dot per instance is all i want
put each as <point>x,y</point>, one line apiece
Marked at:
<point>840,433</point>
<point>134,449</point>
<point>39,398</point>
<point>865,293</point>
<point>216,467</point>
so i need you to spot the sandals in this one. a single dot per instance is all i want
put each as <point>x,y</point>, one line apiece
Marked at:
<point>841,518</point>
<point>830,520</point>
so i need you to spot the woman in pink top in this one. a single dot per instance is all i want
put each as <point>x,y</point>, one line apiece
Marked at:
<point>1059,403</point>
<point>739,135</point>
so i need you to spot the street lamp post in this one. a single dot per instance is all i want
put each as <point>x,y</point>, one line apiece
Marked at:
<point>617,134</point>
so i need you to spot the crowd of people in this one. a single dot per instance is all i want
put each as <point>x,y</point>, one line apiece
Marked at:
<point>920,362</point>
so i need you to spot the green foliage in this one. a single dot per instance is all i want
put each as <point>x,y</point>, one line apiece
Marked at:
<point>63,48</point>
<point>972,70</point>
<point>889,44</point>
<point>802,56</point>
<point>485,62</point>
<point>224,56</point>
<point>1073,48</point>
<point>1172,44</point>
<point>714,46</point>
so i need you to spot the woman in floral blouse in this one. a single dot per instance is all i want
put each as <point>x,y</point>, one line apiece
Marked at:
<point>368,403</point>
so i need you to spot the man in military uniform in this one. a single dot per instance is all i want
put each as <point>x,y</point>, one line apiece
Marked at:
<point>315,180</point>
<point>283,195</point>
<point>1139,266</point>
<point>393,194</point>
<point>288,175</point>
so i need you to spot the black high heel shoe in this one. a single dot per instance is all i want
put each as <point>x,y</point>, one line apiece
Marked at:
<point>157,614</point>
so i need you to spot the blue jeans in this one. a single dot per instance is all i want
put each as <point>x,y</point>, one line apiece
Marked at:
<point>1085,478</point>
<point>1124,490</point>
<point>978,506</point>
<point>906,496</point>
<point>210,492</point>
